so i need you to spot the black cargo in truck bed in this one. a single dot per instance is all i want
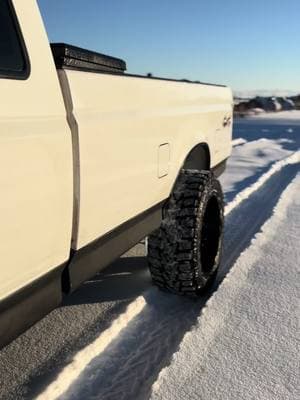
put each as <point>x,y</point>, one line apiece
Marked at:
<point>69,56</point>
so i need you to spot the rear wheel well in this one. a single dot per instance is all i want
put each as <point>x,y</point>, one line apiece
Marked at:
<point>198,158</point>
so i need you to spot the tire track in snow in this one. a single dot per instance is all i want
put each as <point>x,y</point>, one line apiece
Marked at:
<point>130,365</point>
<point>220,344</point>
<point>277,166</point>
<point>83,357</point>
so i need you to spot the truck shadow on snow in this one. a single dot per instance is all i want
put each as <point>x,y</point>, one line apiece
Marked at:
<point>130,365</point>
<point>125,279</point>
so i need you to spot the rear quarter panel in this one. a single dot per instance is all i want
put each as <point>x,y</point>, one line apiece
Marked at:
<point>122,121</point>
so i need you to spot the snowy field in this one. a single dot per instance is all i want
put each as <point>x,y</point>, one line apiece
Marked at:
<point>120,338</point>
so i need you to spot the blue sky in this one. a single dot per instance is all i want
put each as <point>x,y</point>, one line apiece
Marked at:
<point>247,44</point>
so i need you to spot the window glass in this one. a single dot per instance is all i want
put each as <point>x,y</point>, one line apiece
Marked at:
<point>12,60</point>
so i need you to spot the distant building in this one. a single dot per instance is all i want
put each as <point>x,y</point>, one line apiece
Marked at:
<point>277,104</point>
<point>241,107</point>
<point>286,104</point>
<point>296,101</point>
<point>265,103</point>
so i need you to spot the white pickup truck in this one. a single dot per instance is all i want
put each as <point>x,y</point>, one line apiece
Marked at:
<point>92,160</point>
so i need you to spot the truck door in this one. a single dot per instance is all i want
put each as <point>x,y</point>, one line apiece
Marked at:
<point>35,152</point>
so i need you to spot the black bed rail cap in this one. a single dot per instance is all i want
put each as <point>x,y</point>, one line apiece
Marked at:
<point>68,56</point>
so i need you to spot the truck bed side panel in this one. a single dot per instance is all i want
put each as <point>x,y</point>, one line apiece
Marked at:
<point>122,123</point>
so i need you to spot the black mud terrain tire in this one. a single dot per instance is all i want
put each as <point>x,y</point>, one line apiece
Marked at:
<point>184,253</point>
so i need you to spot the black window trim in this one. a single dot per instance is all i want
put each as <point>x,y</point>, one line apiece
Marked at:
<point>20,75</point>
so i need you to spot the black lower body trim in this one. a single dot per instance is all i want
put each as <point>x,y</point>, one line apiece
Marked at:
<point>28,305</point>
<point>219,168</point>
<point>89,260</point>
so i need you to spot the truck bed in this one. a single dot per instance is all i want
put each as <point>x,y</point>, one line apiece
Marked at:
<point>122,125</point>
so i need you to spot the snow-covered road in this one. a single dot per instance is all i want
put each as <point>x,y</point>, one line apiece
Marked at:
<point>245,343</point>
<point>120,338</point>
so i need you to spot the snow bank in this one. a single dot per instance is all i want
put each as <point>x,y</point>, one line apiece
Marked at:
<point>245,344</point>
<point>249,160</point>
<point>291,115</point>
<point>244,194</point>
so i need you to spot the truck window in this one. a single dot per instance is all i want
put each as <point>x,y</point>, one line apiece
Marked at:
<point>13,57</point>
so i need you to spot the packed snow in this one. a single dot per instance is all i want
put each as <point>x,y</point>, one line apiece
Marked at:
<point>85,356</point>
<point>244,194</point>
<point>250,160</point>
<point>245,344</point>
<point>120,338</point>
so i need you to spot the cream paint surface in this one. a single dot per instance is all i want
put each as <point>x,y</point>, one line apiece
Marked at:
<point>122,121</point>
<point>35,165</point>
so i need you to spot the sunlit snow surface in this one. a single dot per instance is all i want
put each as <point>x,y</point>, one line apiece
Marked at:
<point>245,344</point>
<point>258,142</point>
